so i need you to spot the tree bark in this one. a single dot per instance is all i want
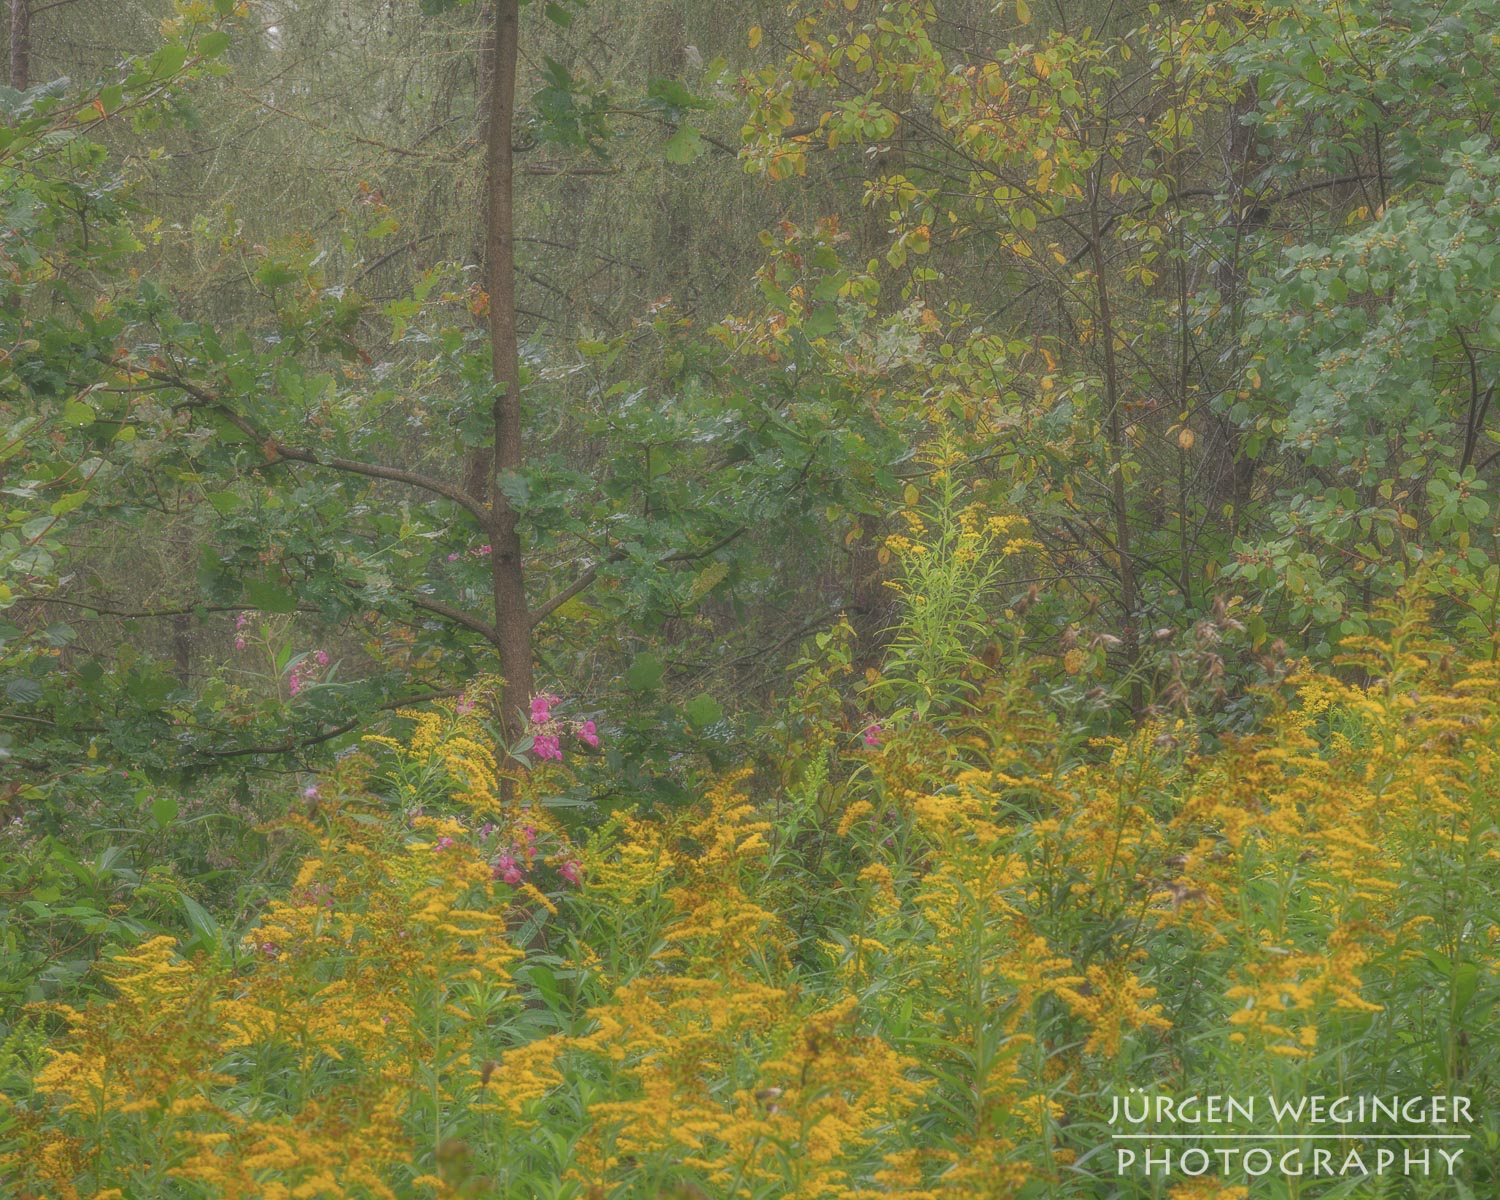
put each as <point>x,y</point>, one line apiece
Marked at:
<point>1235,478</point>
<point>511,622</point>
<point>1118,447</point>
<point>20,44</point>
<point>478,459</point>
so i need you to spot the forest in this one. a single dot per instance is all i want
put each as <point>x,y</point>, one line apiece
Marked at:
<point>818,600</point>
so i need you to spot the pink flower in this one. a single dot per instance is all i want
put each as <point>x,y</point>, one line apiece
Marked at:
<point>569,871</point>
<point>445,843</point>
<point>483,551</point>
<point>872,734</point>
<point>294,684</point>
<point>239,643</point>
<point>545,745</point>
<point>464,706</point>
<point>310,793</point>
<point>505,868</point>
<point>587,734</point>
<point>242,620</point>
<point>453,557</point>
<point>322,657</point>
<point>541,708</point>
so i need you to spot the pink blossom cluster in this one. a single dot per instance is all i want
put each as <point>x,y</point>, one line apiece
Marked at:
<point>546,740</point>
<point>239,627</point>
<point>516,859</point>
<point>513,861</point>
<point>476,552</point>
<point>305,670</point>
<point>872,733</point>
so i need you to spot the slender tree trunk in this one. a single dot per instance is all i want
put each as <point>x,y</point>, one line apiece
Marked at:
<point>1117,443</point>
<point>511,619</point>
<point>477,460</point>
<point>1237,473</point>
<point>20,44</point>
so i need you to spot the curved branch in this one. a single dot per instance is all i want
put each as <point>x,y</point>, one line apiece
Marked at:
<point>203,398</point>
<point>327,735</point>
<point>458,616</point>
<point>549,606</point>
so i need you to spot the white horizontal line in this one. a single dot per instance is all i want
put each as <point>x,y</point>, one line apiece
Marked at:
<point>1342,1137</point>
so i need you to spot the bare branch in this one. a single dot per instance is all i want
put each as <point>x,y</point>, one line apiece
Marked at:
<point>275,449</point>
<point>458,616</point>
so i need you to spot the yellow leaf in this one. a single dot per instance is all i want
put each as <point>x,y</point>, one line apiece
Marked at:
<point>851,5</point>
<point>1409,521</point>
<point>872,676</point>
<point>755,32</point>
<point>910,494</point>
<point>1185,439</point>
<point>882,556</point>
<point>1023,14</point>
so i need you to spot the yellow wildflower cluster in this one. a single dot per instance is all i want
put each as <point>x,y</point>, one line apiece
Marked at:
<point>717,1066</point>
<point>372,976</point>
<point>913,996</point>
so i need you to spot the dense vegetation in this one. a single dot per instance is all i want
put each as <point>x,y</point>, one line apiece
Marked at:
<point>736,600</point>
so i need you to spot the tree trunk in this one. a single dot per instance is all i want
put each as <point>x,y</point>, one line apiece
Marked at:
<point>1235,478</point>
<point>511,619</point>
<point>20,44</point>
<point>478,459</point>
<point>1118,447</point>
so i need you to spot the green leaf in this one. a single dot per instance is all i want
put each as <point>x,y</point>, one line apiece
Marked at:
<point>164,809</point>
<point>558,15</point>
<point>68,503</point>
<point>1465,984</point>
<point>644,673</point>
<point>685,146</point>
<point>211,45</point>
<point>168,60</point>
<point>223,503</point>
<point>201,921</point>
<point>515,487</point>
<point>76,412</point>
<point>271,596</point>
<point>702,711</point>
<point>822,321</point>
<point>23,691</point>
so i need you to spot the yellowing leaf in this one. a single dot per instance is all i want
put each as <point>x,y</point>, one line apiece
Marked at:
<point>1185,439</point>
<point>1023,13</point>
<point>755,33</point>
<point>910,495</point>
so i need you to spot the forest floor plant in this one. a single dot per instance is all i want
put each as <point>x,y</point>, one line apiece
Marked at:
<point>929,968</point>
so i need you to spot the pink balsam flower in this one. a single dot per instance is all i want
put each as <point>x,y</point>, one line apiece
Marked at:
<point>505,869</point>
<point>588,734</point>
<point>541,708</point>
